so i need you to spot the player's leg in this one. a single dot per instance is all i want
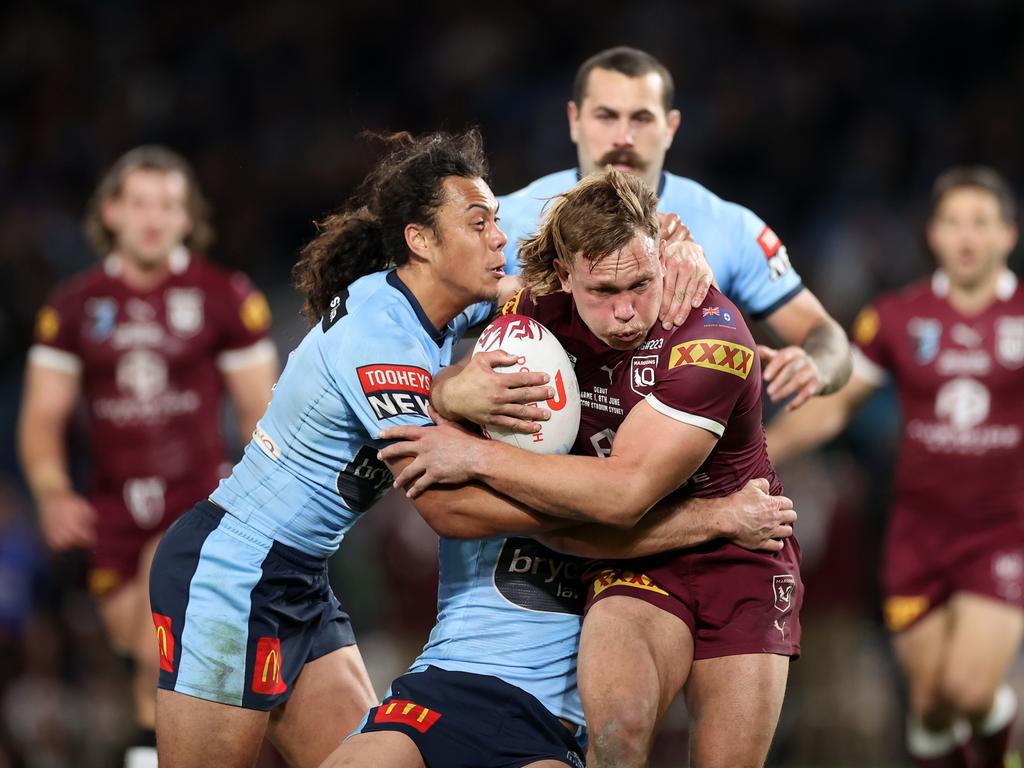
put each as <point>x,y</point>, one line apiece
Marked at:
<point>934,737</point>
<point>193,733</point>
<point>985,636</point>
<point>380,749</point>
<point>633,659</point>
<point>330,697</point>
<point>734,704</point>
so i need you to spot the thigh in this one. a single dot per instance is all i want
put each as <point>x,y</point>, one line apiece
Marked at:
<point>734,704</point>
<point>193,733</point>
<point>120,610</point>
<point>330,696</point>
<point>381,749</point>
<point>634,657</point>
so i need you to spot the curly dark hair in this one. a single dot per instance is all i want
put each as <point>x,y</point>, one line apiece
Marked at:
<point>368,234</point>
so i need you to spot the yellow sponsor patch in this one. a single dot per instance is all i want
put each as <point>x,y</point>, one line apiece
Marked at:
<point>715,354</point>
<point>511,306</point>
<point>47,324</point>
<point>865,327</point>
<point>613,578</point>
<point>102,581</point>
<point>255,312</point>
<point>901,612</point>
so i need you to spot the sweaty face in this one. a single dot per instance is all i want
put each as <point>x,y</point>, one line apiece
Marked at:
<point>969,236</point>
<point>618,298</point>
<point>622,122</point>
<point>469,260</point>
<point>149,219</point>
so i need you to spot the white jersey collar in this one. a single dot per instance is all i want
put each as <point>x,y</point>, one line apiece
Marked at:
<point>1006,285</point>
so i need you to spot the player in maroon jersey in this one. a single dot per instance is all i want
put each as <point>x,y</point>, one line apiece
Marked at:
<point>150,339</point>
<point>683,408</point>
<point>953,572</point>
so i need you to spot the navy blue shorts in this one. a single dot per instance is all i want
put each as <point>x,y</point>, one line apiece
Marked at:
<point>464,720</point>
<point>237,614</point>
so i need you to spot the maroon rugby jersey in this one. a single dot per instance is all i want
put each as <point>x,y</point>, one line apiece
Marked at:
<point>961,387</point>
<point>150,364</point>
<point>705,373</point>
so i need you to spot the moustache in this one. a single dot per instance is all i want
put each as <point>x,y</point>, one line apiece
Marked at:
<point>622,157</point>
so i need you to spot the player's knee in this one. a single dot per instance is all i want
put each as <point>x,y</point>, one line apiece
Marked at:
<point>967,696</point>
<point>622,738</point>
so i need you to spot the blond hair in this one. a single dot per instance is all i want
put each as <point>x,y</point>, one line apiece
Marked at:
<point>594,219</point>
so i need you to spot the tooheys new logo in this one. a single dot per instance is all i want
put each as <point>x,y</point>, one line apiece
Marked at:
<point>395,390</point>
<point>532,576</point>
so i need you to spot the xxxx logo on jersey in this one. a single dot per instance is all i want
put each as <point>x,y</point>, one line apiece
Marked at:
<point>715,354</point>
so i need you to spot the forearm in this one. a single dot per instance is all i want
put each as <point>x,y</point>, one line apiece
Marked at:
<point>796,432</point>
<point>671,524</point>
<point>580,488</point>
<point>475,512</point>
<point>439,389</point>
<point>43,458</point>
<point>826,344</point>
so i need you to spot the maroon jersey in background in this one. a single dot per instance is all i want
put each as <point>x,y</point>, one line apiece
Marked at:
<point>959,506</point>
<point>151,367</point>
<point>705,373</point>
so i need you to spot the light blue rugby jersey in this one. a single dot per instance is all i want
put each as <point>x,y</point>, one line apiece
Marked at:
<point>311,468</point>
<point>749,262</point>
<point>510,608</point>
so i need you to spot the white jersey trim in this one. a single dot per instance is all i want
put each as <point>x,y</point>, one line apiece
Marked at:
<point>710,425</point>
<point>263,351</point>
<point>56,359</point>
<point>867,369</point>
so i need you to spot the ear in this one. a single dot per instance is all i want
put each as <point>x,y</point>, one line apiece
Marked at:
<point>110,213</point>
<point>673,120</point>
<point>564,278</point>
<point>420,241</point>
<point>572,112</point>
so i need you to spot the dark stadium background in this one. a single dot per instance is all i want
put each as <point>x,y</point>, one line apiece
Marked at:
<point>830,119</point>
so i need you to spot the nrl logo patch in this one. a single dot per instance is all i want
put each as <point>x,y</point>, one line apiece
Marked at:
<point>185,310</point>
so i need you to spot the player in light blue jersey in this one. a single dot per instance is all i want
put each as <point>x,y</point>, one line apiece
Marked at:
<point>621,115</point>
<point>252,641</point>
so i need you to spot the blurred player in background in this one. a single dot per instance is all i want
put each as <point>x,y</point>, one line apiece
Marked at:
<point>621,115</point>
<point>662,410</point>
<point>953,573</point>
<point>150,338</point>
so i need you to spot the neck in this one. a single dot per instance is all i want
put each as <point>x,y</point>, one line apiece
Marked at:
<point>437,303</point>
<point>975,297</point>
<point>141,276</point>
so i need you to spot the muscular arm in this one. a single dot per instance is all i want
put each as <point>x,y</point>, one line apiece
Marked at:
<point>816,359</point>
<point>50,396</point>
<point>652,455</point>
<point>818,421</point>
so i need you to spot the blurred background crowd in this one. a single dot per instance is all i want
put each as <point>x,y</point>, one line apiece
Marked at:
<point>830,120</point>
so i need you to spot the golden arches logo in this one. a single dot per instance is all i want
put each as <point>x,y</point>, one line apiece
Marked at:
<point>272,662</point>
<point>161,642</point>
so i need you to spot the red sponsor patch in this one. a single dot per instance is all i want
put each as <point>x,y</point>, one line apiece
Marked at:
<point>266,672</point>
<point>769,242</point>
<point>164,641</point>
<point>394,378</point>
<point>407,713</point>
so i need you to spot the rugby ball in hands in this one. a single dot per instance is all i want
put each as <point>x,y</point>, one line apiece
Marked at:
<point>537,350</point>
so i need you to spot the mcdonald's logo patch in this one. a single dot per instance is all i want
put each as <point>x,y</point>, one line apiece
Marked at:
<point>164,641</point>
<point>511,307</point>
<point>407,713</point>
<point>902,611</point>
<point>614,578</point>
<point>715,354</point>
<point>266,672</point>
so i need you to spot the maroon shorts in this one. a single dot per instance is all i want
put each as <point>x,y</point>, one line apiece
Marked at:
<point>733,600</point>
<point>127,520</point>
<point>927,560</point>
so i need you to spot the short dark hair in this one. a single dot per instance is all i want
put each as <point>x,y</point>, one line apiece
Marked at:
<point>982,177</point>
<point>368,234</point>
<point>149,157</point>
<point>631,62</point>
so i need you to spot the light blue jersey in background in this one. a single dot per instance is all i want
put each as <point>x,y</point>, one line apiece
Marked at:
<point>750,263</point>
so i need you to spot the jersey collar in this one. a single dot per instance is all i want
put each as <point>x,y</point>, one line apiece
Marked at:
<point>396,282</point>
<point>1006,285</point>
<point>177,262</point>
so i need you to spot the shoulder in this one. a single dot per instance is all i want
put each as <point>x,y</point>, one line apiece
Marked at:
<point>75,290</point>
<point>715,335</point>
<point>537,192</point>
<point>692,196</point>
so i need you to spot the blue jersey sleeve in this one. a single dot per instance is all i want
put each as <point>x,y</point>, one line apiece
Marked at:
<point>385,378</point>
<point>762,277</point>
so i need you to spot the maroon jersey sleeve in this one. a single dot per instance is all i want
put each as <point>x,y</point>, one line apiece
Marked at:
<point>871,331</point>
<point>706,371</point>
<point>245,316</point>
<point>58,330</point>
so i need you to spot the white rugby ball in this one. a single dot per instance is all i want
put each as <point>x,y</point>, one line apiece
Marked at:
<point>537,350</point>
